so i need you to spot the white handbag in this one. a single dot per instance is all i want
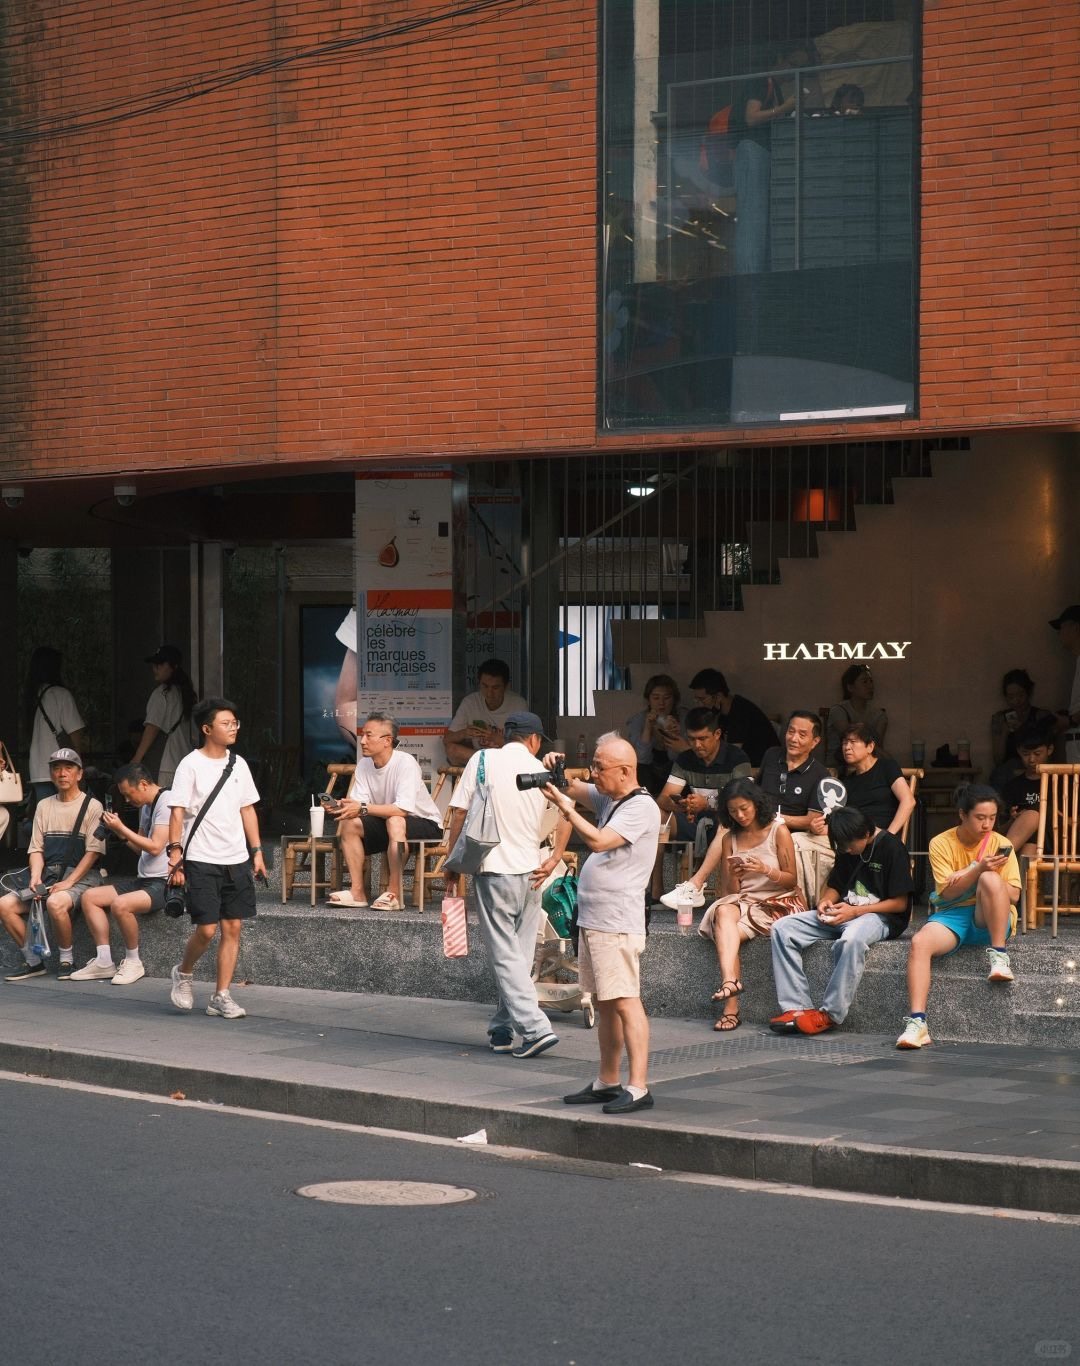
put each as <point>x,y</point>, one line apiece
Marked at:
<point>11,788</point>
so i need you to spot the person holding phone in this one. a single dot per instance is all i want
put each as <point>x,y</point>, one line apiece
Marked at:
<point>976,889</point>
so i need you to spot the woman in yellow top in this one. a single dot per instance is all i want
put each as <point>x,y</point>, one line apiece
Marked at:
<point>977,886</point>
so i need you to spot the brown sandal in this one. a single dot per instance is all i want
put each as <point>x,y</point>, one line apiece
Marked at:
<point>724,994</point>
<point>726,1023</point>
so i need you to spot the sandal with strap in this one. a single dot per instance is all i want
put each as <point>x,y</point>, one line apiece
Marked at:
<point>726,1023</point>
<point>724,994</point>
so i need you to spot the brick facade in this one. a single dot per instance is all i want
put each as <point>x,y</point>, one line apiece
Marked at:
<point>392,251</point>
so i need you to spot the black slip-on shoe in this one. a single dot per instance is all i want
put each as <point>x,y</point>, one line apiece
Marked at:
<point>626,1104</point>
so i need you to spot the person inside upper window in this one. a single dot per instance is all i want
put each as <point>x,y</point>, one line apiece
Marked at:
<point>478,721</point>
<point>745,724</point>
<point>874,782</point>
<point>849,99</point>
<point>656,732</point>
<point>857,687</point>
<point>51,716</point>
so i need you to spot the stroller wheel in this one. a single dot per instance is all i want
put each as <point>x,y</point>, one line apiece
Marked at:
<point>589,1012</point>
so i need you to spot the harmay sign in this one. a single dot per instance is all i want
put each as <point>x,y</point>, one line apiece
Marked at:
<point>843,649</point>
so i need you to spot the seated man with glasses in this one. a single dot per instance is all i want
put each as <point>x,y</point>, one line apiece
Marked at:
<point>388,804</point>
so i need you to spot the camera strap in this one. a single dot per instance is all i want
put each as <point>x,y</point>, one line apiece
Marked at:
<point>637,792</point>
<point>209,802</point>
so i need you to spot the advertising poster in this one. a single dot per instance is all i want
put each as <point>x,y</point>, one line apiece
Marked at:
<point>404,601</point>
<point>321,655</point>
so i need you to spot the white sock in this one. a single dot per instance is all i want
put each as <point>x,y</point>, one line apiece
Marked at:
<point>600,1085</point>
<point>637,1091</point>
<point>67,955</point>
<point>131,955</point>
<point>104,956</point>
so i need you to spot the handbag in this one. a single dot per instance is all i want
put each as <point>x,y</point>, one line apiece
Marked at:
<point>11,787</point>
<point>63,739</point>
<point>480,832</point>
<point>559,902</point>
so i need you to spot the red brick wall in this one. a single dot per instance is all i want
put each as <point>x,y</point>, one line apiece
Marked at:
<point>393,251</point>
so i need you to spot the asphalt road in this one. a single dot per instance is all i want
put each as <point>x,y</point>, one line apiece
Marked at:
<point>135,1231</point>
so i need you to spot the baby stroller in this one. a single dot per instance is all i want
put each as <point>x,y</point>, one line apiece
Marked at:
<point>555,968</point>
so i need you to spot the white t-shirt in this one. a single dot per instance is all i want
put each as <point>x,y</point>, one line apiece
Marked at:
<point>346,632</point>
<point>474,708</point>
<point>155,865</point>
<point>64,715</point>
<point>165,709</point>
<point>398,783</point>
<point>611,887</point>
<point>520,814</point>
<point>220,837</point>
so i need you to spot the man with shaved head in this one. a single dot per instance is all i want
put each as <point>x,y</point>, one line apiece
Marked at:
<point>611,916</point>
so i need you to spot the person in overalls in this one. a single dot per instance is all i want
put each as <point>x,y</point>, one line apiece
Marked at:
<point>64,848</point>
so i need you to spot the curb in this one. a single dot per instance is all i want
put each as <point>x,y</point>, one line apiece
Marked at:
<point>1033,1184</point>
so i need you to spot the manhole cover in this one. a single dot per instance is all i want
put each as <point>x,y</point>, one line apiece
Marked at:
<point>388,1193</point>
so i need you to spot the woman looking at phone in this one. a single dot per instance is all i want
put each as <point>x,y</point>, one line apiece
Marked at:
<point>758,884</point>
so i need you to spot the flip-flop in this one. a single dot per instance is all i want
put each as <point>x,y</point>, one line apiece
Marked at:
<point>724,994</point>
<point>387,902</point>
<point>342,899</point>
<point>726,1023</point>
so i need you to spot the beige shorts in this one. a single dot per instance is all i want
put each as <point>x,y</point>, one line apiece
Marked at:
<point>609,964</point>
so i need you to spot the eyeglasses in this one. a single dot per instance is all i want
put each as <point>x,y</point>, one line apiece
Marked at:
<point>603,768</point>
<point>228,725</point>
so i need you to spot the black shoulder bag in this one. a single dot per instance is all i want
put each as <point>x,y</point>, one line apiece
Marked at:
<point>63,739</point>
<point>176,901</point>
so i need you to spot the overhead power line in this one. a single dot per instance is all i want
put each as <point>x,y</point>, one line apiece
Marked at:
<point>198,87</point>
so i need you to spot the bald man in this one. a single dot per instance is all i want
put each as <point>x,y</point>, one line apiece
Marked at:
<point>611,916</point>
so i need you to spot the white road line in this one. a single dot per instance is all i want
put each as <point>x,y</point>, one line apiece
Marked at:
<point>527,1155</point>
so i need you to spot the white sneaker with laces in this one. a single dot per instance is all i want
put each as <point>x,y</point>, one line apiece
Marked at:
<point>685,891</point>
<point>1000,971</point>
<point>94,972</point>
<point>181,995</point>
<point>915,1035</point>
<point>221,1003</point>
<point>130,970</point>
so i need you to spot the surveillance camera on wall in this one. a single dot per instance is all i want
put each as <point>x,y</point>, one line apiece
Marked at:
<point>12,495</point>
<point>124,494</point>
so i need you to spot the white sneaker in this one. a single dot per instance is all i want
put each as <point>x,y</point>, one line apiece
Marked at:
<point>221,1003</point>
<point>685,891</point>
<point>130,970</point>
<point>915,1035</point>
<point>1000,971</point>
<point>181,995</point>
<point>93,972</point>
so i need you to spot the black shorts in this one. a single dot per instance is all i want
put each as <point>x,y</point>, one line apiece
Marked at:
<point>154,887</point>
<point>376,840</point>
<point>219,891</point>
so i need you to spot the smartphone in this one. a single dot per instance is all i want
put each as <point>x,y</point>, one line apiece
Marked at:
<point>1002,851</point>
<point>329,801</point>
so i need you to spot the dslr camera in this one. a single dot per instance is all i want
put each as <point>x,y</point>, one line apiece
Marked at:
<point>175,901</point>
<point>557,777</point>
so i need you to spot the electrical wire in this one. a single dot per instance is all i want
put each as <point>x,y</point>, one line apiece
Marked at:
<point>183,92</point>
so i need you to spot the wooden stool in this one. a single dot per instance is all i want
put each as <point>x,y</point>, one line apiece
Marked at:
<point>300,853</point>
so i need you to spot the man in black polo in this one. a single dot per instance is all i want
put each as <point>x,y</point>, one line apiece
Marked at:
<point>790,774</point>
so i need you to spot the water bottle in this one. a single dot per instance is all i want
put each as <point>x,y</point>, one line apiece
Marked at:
<point>684,916</point>
<point>582,752</point>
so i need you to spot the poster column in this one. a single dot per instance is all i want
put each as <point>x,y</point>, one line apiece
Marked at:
<point>404,600</point>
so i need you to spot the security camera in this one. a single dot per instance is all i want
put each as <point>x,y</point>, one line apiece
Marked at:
<point>12,495</point>
<point>125,494</point>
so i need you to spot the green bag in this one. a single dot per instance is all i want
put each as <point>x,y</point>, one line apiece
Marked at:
<point>560,904</point>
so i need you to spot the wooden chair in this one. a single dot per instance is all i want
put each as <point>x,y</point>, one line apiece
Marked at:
<point>302,854</point>
<point>1057,846</point>
<point>914,776</point>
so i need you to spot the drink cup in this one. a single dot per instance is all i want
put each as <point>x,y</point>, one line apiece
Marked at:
<point>963,752</point>
<point>684,916</point>
<point>318,821</point>
<point>918,752</point>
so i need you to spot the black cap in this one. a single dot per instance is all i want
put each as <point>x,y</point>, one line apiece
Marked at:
<point>524,723</point>
<point>1070,614</point>
<point>165,654</point>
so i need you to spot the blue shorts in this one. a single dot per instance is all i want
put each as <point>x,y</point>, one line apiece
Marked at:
<point>961,921</point>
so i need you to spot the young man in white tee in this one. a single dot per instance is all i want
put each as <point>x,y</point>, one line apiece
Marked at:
<point>129,897</point>
<point>225,851</point>
<point>388,803</point>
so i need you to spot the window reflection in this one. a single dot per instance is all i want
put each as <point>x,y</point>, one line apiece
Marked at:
<point>758,224</point>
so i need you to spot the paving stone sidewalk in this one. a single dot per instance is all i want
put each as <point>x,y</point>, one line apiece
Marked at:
<point>972,1123</point>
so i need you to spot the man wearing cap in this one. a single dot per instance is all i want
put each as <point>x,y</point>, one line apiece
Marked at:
<point>168,713</point>
<point>1067,625</point>
<point>508,884</point>
<point>64,847</point>
<point>388,804</point>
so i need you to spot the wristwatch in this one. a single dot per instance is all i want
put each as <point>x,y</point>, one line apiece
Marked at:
<point>363,808</point>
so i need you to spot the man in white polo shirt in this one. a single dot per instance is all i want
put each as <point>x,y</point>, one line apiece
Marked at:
<point>215,860</point>
<point>388,803</point>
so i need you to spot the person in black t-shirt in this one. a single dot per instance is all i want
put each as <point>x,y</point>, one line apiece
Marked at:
<point>875,784</point>
<point>745,724</point>
<point>867,899</point>
<point>1033,747</point>
<point>791,777</point>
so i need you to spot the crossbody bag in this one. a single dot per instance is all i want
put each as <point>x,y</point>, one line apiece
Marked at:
<point>176,904</point>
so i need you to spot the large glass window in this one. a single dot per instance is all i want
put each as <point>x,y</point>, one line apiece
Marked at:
<point>758,211</point>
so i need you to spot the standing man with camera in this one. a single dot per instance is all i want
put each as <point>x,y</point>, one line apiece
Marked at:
<point>611,916</point>
<point>213,801</point>
<point>128,897</point>
<point>508,883</point>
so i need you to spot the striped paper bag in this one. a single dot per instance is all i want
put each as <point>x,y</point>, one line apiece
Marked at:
<point>455,940</point>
